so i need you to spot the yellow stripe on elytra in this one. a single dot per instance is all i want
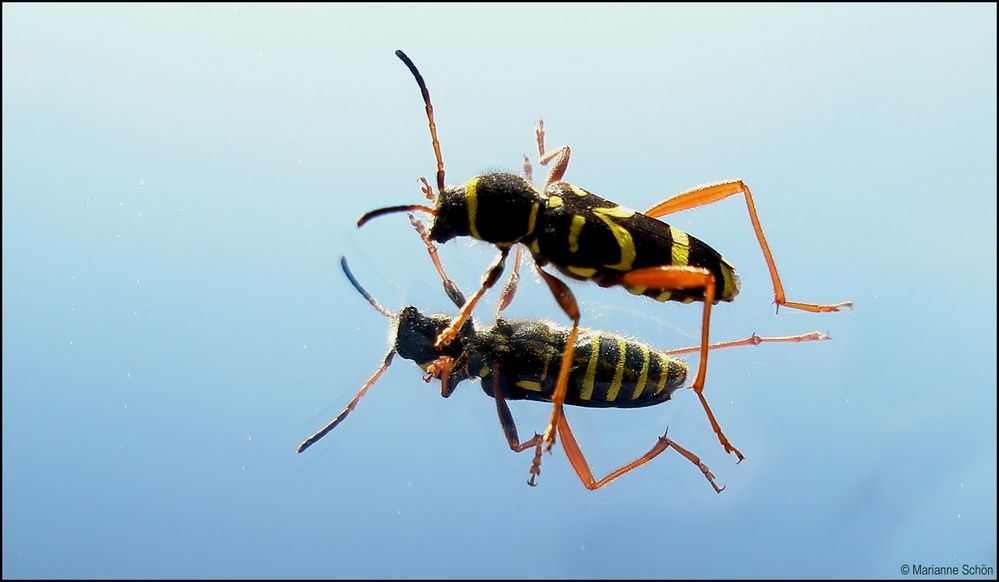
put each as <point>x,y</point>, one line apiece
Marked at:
<point>578,191</point>
<point>529,385</point>
<point>584,272</point>
<point>578,221</point>
<point>472,202</point>
<point>591,369</point>
<point>621,234</point>
<point>643,376</point>
<point>615,386</point>
<point>615,211</point>
<point>664,366</point>
<point>680,247</point>
<point>534,246</point>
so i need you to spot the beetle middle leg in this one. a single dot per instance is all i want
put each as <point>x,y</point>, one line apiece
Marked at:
<point>510,429</point>
<point>506,297</point>
<point>511,285</point>
<point>567,301</point>
<point>560,155</point>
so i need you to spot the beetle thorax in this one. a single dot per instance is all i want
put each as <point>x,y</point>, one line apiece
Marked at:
<point>497,208</point>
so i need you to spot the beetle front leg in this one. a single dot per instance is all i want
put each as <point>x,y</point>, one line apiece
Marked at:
<point>490,278</point>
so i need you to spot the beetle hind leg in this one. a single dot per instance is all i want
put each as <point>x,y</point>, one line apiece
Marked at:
<point>582,468</point>
<point>710,193</point>
<point>669,277</point>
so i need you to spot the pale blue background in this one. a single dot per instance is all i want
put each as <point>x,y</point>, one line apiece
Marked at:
<point>179,183</point>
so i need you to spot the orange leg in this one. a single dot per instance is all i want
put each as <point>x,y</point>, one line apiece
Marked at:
<point>567,301</point>
<point>511,286</point>
<point>582,468</point>
<point>428,192</point>
<point>430,117</point>
<point>450,288</point>
<point>492,275</point>
<point>753,340</point>
<point>510,429</point>
<point>670,277</point>
<point>560,155</point>
<point>441,368</point>
<point>357,397</point>
<point>707,194</point>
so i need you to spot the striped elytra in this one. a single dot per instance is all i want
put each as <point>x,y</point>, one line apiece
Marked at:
<point>581,234</point>
<point>608,370</point>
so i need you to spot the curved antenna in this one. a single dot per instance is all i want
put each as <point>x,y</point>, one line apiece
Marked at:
<point>362,290</point>
<point>391,209</point>
<point>430,117</point>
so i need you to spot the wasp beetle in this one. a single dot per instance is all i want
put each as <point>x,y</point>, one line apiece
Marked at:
<point>586,237</point>
<point>514,359</point>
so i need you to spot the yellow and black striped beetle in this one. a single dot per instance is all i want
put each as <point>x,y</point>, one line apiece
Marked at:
<point>514,361</point>
<point>587,237</point>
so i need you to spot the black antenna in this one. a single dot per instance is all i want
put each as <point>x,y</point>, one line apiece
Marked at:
<point>430,117</point>
<point>362,290</point>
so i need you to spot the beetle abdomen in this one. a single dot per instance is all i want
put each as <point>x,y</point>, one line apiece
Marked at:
<point>608,370</point>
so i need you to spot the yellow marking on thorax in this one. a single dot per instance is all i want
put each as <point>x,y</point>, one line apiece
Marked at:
<point>529,385</point>
<point>643,376</point>
<point>578,221</point>
<point>621,235</point>
<point>615,386</point>
<point>577,190</point>
<point>680,247</point>
<point>532,219</point>
<point>584,272</point>
<point>554,201</point>
<point>591,369</point>
<point>472,202</point>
